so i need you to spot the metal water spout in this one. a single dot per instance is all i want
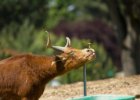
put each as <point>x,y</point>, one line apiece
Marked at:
<point>84,75</point>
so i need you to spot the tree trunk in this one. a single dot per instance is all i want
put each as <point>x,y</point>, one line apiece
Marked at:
<point>120,26</point>
<point>133,11</point>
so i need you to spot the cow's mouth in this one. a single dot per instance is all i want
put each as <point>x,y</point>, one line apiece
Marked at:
<point>91,56</point>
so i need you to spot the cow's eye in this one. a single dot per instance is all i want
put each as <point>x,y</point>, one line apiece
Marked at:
<point>88,50</point>
<point>71,53</point>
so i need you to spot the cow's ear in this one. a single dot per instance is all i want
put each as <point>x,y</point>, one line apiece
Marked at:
<point>68,44</point>
<point>61,58</point>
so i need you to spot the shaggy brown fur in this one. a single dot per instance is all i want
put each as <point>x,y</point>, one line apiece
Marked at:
<point>23,77</point>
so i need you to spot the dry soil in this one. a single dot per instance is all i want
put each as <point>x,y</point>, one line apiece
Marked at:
<point>119,86</point>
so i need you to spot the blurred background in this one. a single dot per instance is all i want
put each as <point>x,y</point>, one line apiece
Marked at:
<point>112,26</point>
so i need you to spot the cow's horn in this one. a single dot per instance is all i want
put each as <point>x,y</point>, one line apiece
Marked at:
<point>54,47</point>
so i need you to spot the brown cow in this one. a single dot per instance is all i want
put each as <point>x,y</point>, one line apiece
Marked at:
<point>23,77</point>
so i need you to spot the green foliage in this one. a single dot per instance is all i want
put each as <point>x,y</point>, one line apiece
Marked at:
<point>28,39</point>
<point>59,10</point>
<point>18,11</point>
<point>49,12</point>
<point>73,10</point>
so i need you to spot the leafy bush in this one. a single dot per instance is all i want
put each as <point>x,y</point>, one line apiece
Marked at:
<point>18,11</point>
<point>28,38</point>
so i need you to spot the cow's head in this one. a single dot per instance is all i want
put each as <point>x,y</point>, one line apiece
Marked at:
<point>73,57</point>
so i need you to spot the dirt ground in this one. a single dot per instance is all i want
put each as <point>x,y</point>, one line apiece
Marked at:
<point>121,86</point>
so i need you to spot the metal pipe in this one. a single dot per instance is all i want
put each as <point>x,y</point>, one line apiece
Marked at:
<point>84,79</point>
